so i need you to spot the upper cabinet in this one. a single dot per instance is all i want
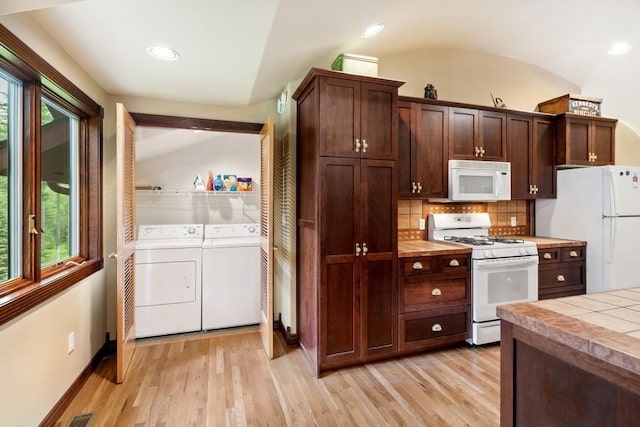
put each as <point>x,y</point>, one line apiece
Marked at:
<point>586,141</point>
<point>531,142</point>
<point>477,134</point>
<point>359,118</point>
<point>422,149</point>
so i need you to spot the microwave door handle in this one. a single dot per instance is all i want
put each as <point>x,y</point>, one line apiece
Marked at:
<point>498,181</point>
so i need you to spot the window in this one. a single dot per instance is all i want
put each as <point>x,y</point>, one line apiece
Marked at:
<point>50,180</point>
<point>58,184</point>
<point>10,160</point>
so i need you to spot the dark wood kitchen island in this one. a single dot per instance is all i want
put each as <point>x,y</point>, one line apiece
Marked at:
<point>571,361</point>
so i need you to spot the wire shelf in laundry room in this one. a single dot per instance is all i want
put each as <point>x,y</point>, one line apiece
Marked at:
<point>165,206</point>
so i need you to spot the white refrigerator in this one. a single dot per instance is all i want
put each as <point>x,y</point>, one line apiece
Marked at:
<point>600,205</point>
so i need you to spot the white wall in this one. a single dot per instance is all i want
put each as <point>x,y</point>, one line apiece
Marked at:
<point>35,367</point>
<point>219,153</point>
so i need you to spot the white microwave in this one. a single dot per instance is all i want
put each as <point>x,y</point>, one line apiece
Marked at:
<point>471,180</point>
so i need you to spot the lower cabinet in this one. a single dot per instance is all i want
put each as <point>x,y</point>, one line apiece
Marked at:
<point>562,272</point>
<point>434,297</point>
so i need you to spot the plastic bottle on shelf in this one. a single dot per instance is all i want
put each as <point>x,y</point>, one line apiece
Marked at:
<point>217,183</point>
<point>210,182</point>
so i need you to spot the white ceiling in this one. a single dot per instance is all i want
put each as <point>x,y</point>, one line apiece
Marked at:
<point>239,52</point>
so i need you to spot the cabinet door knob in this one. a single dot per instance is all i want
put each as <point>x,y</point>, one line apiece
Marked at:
<point>358,250</point>
<point>573,254</point>
<point>364,145</point>
<point>454,263</point>
<point>419,188</point>
<point>357,145</point>
<point>436,292</point>
<point>560,278</point>
<point>481,151</point>
<point>414,187</point>
<point>365,249</point>
<point>417,265</point>
<point>546,255</point>
<point>476,151</point>
<point>437,327</point>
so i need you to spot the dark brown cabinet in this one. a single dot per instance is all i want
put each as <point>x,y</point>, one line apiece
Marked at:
<point>347,219</point>
<point>562,272</point>
<point>422,149</point>
<point>531,151</point>
<point>477,134</point>
<point>358,119</point>
<point>586,141</point>
<point>433,301</point>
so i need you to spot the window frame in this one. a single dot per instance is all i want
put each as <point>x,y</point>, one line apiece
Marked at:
<point>39,79</point>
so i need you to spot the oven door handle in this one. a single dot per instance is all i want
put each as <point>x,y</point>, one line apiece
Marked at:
<point>511,262</point>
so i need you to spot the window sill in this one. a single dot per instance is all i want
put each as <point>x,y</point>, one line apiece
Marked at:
<point>27,297</point>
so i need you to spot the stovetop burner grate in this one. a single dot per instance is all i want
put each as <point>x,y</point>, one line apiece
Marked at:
<point>482,240</point>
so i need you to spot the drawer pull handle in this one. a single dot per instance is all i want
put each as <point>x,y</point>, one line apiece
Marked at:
<point>546,255</point>
<point>454,263</point>
<point>417,265</point>
<point>560,278</point>
<point>436,328</point>
<point>436,292</point>
<point>573,254</point>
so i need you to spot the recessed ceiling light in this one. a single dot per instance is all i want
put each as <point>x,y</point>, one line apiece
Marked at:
<point>163,53</point>
<point>619,48</point>
<point>372,31</point>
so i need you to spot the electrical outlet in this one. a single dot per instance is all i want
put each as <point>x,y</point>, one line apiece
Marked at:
<point>71,342</point>
<point>422,224</point>
<point>513,221</point>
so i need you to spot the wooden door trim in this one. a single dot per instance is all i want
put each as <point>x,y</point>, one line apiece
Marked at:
<point>156,120</point>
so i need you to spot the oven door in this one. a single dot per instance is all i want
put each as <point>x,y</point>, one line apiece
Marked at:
<point>502,281</point>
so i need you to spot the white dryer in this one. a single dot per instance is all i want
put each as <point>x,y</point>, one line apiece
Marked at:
<point>168,289</point>
<point>230,275</point>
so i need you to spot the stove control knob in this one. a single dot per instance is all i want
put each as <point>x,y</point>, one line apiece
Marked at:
<point>252,229</point>
<point>487,254</point>
<point>191,230</point>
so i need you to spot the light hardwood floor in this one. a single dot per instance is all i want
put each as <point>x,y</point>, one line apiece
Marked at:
<point>225,379</point>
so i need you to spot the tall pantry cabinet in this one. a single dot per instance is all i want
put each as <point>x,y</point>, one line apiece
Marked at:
<point>347,218</point>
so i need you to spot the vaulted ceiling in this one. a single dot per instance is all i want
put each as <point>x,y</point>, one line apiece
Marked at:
<point>238,52</point>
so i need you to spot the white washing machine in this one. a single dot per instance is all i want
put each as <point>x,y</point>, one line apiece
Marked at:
<point>230,275</point>
<point>168,290</point>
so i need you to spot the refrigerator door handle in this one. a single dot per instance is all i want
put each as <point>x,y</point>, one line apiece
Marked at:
<point>612,239</point>
<point>612,195</point>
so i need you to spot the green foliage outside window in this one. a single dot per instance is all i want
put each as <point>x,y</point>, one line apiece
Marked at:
<point>4,183</point>
<point>55,204</point>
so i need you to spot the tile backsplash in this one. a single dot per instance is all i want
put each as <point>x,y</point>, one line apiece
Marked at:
<point>411,211</point>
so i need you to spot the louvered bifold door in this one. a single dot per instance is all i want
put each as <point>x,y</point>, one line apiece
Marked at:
<point>125,306</point>
<point>266,235</point>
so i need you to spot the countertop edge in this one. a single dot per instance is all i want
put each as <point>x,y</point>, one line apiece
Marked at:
<point>607,345</point>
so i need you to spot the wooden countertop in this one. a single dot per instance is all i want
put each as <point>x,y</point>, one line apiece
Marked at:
<point>411,248</point>
<point>603,325</point>
<point>550,242</point>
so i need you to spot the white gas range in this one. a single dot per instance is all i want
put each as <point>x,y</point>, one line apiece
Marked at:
<point>503,270</point>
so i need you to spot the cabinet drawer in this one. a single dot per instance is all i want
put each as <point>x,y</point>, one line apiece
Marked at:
<point>435,291</point>
<point>430,328</point>
<point>563,278</point>
<point>417,266</point>
<point>549,256</point>
<point>576,253</point>
<point>450,263</point>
